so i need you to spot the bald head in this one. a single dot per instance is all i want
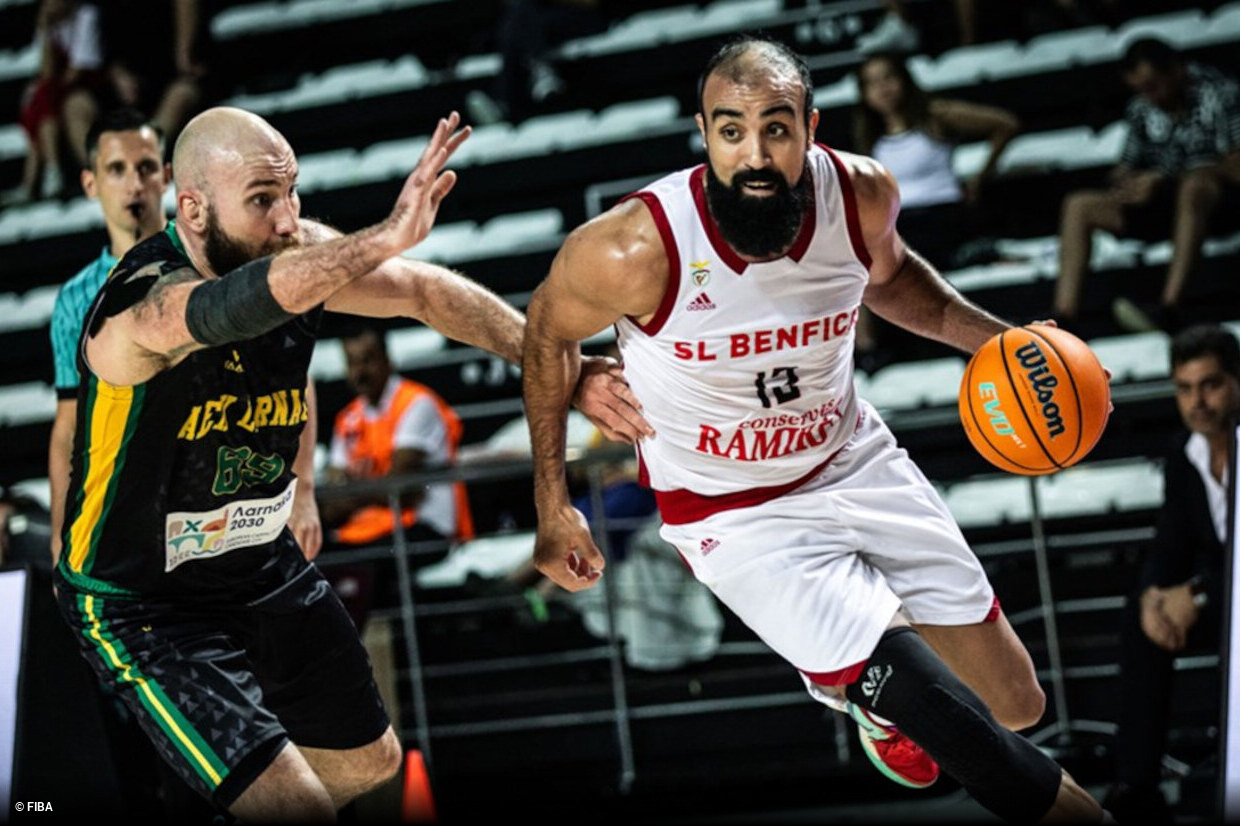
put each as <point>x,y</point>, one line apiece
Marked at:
<point>752,61</point>
<point>222,138</point>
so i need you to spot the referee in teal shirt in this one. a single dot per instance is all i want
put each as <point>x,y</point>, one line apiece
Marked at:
<point>128,176</point>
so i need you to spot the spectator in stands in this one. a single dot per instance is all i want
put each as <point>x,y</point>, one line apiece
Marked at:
<point>127,174</point>
<point>1177,607</point>
<point>394,426</point>
<point>913,135</point>
<point>156,55</point>
<point>527,32</point>
<point>62,100</point>
<point>1178,173</point>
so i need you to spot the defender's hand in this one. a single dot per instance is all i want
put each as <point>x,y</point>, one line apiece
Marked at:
<point>565,553</point>
<point>414,214</point>
<point>606,399</point>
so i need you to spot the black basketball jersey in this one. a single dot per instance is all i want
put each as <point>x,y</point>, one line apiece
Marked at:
<point>183,484</point>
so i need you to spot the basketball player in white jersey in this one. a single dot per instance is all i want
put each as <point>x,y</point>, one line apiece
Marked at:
<point>734,288</point>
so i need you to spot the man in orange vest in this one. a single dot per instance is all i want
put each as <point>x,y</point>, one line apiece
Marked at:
<point>393,426</point>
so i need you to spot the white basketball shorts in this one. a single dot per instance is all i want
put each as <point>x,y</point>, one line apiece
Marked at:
<point>820,572</point>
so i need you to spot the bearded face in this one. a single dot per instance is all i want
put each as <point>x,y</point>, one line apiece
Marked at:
<point>758,225</point>
<point>226,253</point>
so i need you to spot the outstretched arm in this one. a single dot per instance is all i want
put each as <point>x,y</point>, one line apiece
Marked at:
<point>183,312</point>
<point>904,288</point>
<point>468,312</point>
<point>444,300</point>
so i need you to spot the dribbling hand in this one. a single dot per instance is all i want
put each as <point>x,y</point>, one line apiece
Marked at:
<point>565,553</point>
<point>414,214</point>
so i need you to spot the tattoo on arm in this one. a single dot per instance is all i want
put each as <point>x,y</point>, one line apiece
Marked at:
<point>167,278</point>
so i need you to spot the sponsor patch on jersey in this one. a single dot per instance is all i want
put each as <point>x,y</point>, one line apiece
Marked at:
<point>701,302</point>
<point>204,534</point>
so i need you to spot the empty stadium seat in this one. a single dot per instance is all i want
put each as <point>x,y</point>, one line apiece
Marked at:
<point>1061,148</point>
<point>446,243</point>
<point>630,119</point>
<point>639,30</point>
<point>508,233</point>
<point>546,133</point>
<point>327,362</point>
<point>327,170</point>
<point>992,276</point>
<point>1058,51</point>
<point>1179,29</point>
<point>909,385</point>
<point>485,144</point>
<point>962,66</point>
<point>1134,357</point>
<point>390,159</point>
<point>12,141</point>
<point>27,402</point>
<point>409,345</point>
<point>513,438</point>
<point>843,92</point>
<point>248,19</point>
<point>724,16</point>
<point>988,501</point>
<point>1222,27</point>
<point>40,490</point>
<point>486,556</point>
<point>19,63</point>
<point>33,309</point>
<point>1096,489</point>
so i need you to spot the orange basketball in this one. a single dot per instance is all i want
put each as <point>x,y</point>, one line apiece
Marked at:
<point>1034,400</point>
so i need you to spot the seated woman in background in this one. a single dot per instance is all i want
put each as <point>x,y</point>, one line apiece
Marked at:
<point>914,135</point>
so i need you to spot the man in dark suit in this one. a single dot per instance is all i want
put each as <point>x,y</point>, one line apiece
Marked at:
<point>1177,607</point>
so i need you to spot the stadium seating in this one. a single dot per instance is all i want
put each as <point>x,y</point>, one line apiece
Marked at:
<point>358,115</point>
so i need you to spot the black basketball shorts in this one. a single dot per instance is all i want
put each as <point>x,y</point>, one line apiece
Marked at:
<point>221,687</point>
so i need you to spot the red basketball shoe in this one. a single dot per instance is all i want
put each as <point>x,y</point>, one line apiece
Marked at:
<point>893,754</point>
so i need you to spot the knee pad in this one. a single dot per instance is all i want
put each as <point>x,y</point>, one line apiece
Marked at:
<point>905,682</point>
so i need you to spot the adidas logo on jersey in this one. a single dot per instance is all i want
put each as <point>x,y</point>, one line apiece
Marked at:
<point>702,302</point>
<point>709,545</point>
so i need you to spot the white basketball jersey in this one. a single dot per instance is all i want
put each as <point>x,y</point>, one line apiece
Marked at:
<point>746,370</point>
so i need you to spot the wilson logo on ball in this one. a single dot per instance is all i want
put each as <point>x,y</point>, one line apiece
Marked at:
<point>1033,359</point>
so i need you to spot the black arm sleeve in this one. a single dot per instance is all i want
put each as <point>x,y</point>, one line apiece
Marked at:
<point>235,307</point>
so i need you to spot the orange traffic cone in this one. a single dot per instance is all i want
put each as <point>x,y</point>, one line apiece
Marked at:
<point>417,802</point>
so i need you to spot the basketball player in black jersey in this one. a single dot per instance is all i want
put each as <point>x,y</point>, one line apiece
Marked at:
<point>185,588</point>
